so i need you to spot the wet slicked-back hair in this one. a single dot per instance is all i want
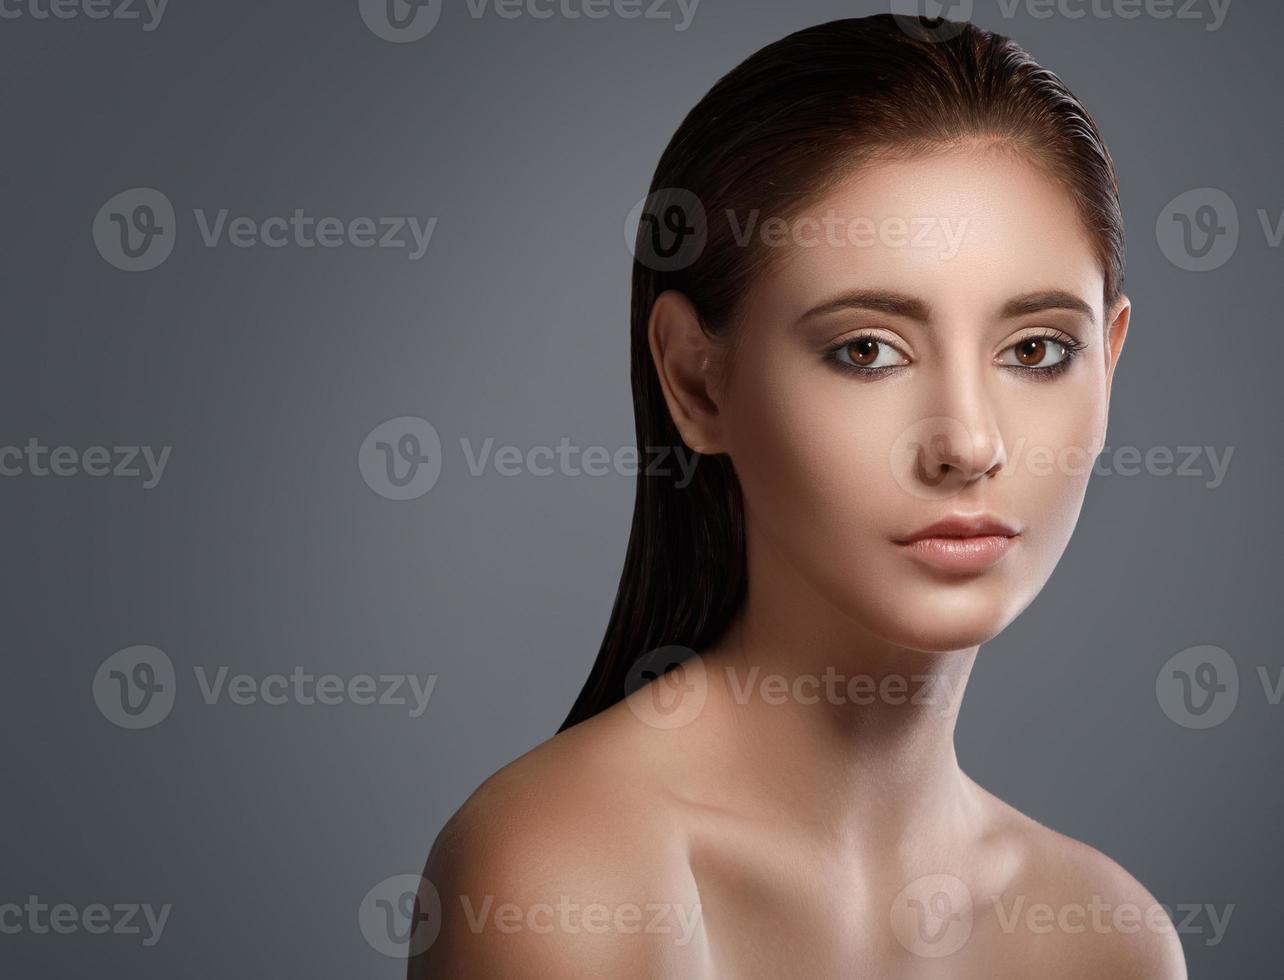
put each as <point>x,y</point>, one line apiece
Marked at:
<point>772,135</point>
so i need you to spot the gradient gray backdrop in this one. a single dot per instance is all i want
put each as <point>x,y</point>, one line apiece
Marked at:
<point>263,548</point>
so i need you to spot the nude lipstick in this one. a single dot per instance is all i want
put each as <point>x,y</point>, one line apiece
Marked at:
<point>961,544</point>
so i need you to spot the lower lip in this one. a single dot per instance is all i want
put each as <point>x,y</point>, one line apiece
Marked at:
<point>961,554</point>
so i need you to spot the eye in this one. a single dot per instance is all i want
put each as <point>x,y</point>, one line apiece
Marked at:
<point>866,354</point>
<point>1045,353</point>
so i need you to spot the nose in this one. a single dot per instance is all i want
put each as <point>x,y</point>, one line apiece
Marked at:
<point>966,443</point>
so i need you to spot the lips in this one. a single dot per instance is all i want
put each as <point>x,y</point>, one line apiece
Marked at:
<point>963,526</point>
<point>961,543</point>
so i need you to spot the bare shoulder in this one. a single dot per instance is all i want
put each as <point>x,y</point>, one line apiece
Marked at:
<point>566,862</point>
<point>1077,911</point>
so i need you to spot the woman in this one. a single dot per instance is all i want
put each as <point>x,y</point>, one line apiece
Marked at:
<point>878,288</point>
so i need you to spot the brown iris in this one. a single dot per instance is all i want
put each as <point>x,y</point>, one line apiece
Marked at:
<point>863,351</point>
<point>1032,351</point>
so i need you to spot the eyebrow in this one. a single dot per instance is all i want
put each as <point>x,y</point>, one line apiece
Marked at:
<point>913,308</point>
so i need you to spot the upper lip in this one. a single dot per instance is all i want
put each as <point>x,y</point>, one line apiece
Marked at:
<point>963,526</point>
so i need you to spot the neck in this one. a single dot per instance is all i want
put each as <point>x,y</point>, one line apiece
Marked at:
<point>837,726</point>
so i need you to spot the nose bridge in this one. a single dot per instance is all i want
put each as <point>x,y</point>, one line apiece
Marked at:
<point>965,393</point>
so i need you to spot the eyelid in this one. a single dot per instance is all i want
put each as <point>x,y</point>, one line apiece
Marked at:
<point>895,341</point>
<point>1040,332</point>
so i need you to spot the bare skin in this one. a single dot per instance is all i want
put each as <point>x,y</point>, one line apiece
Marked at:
<point>789,802</point>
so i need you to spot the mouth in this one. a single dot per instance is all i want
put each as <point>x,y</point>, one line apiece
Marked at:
<point>961,544</point>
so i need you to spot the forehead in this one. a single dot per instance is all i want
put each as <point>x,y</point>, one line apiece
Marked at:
<point>964,230</point>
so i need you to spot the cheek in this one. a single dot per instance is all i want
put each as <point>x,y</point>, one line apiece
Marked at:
<point>812,450</point>
<point>1052,438</point>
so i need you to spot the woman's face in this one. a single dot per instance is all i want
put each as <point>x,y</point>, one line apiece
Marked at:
<point>914,362</point>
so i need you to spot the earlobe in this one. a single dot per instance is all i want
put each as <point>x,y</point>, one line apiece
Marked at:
<point>685,357</point>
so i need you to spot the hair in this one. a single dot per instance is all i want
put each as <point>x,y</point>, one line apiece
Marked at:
<point>774,134</point>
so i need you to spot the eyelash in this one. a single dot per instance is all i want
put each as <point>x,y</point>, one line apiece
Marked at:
<point>1071,346</point>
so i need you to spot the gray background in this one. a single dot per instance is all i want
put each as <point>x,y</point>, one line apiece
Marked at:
<point>263,549</point>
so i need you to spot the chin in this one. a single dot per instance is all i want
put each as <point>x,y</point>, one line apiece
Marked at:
<point>941,617</point>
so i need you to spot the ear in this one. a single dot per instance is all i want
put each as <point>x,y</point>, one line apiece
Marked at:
<point>1116,332</point>
<point>689,363</point>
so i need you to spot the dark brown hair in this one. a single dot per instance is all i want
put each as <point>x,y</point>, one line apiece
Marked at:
<point>773,134</point>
